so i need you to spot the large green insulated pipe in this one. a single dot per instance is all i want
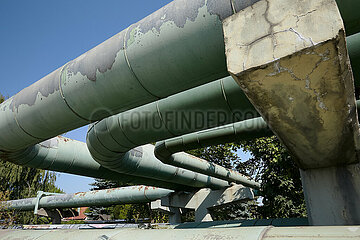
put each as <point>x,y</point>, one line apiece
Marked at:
<point>178,47</point>
<point>243,130</point>
<point>207,106</point>
<point>123,195</point>
<point>158,120</point>
<point>197,231</point>
<point>169,151</point>
<point>142,162</point>
<point>66,155</point>
<point>349,10</point>
<point>353,45</point>
<point>210,105</point>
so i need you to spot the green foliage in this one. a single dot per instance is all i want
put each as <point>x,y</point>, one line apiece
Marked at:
<point>270,164</point>
<point>73,222</point>
<point>281,187</point>
<point>223,154</point>
<point>131,212</point>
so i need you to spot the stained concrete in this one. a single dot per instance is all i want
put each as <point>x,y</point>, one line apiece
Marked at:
<point>292,63</point>
<point>290,59</point>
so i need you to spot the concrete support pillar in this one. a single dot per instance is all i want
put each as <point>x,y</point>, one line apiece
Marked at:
<point>332,195</point>
<point>202,214</point>
<point>174,215</point>
<point>291,61</point>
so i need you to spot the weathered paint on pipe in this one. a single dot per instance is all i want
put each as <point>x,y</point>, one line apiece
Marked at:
<point>123,195</point>
<point>216,103</point>
<point>83,89</point>
<point>114,135</point>
<point>241,233</point>
<point>243,130</point>
<point>145,62</point>
<point>207,106</point>
<point>142,162</point>
<point>169,151</point>
<point>66,155</point>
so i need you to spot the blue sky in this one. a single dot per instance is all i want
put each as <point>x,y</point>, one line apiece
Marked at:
<point>39,36</point>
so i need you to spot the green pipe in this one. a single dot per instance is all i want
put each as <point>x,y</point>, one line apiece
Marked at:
<point>164,118</point>
<point>66,155</point>
<point>199,165</point>
<point>210,105</point>
<point>207,106</point>
<point>118,134</point>
<point>123,195</point>
<point>222,100</point>
<point>353,46</point>
<point>264,232</point>
<point>243,130</point>
<point>178,47</point>
<point>145,62</point>
<point>169,151</point>
<point>349,10</point>
<point>141,162</point>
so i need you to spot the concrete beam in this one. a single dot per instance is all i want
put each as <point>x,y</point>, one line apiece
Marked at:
<point>206,198</point>
<point>290,59</point>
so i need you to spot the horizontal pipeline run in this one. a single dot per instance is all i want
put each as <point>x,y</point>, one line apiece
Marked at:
<point>243,233</point>
<point>66,155</point>
<point>123,195</point>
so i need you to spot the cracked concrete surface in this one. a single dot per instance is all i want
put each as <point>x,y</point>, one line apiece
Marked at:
<point>290,59</point>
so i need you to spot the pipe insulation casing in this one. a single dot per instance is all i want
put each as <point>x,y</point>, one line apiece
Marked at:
<point>83,89</point>
<point>142,162</point>
<point>242,130</point>
<point>169,151</point>
<point>66,155</point>
<point>199,232</point>
<point>123,195</point>
<point>145,62</point>
<point>216,103</point>
<point>207,106</point>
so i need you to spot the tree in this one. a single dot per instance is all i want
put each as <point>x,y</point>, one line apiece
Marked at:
<point>225,155</point>
<point>270,164</point>
<point>128,212</point>
<point>281,187</point>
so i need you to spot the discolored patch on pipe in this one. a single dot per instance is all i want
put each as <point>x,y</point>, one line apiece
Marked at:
<point>59,198</point>
<point>136,152</point>
<point>99,59</point>
<point>224,9</point>
<point>45,86</point>
<point>177,12</point>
